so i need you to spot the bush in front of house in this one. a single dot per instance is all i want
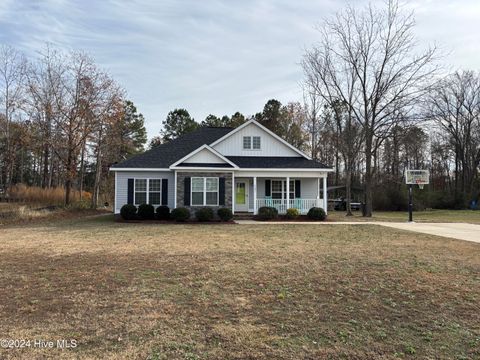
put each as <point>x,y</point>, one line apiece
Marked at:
<point>163,212</point>
<point>128,212</point>
<point>267,213</point>
<point>204,214</point>
<point>146,212</point>
<point>316,213</point>
<point>292,213</point>
<point>225,214</point>
<point>180,214</point>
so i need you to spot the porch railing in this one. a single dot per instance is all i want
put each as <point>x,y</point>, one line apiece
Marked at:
<point>303,205</point>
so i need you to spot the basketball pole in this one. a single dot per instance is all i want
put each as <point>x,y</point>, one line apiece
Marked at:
<point>410,203</point>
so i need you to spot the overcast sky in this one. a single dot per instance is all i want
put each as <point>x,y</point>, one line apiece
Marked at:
<point>212,56</point>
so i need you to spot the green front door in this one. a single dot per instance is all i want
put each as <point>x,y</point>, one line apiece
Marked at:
<point>241,196</point>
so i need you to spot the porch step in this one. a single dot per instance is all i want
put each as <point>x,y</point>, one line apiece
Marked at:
<point>243,216</point>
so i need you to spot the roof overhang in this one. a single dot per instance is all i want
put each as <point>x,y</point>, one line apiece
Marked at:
<point>138,169</point>
<point>287,169</point>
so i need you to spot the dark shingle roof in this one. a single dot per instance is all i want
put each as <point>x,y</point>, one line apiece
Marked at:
<point>279,162</point>
<point>165,155</point>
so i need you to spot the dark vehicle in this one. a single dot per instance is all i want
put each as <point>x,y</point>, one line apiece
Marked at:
<point>341,205</point>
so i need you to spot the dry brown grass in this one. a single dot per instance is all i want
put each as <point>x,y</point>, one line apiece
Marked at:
<point>129,291</point>
<point>23,214</point>
<point>48,196</point>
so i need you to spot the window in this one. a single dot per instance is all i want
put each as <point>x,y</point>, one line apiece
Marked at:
<point>155,191</point>
<point>204,191</point>
<point>247,142</point>
<point>277,186</point>
<point>140,191</point>
<point>279,189</point>
<point>251,142</point>
<point>256,142</point>
<point>211,191</point>
<point>150,189</point>
<point>197,191</point>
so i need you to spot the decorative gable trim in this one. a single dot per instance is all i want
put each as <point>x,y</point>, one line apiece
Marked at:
<point>177,164</point>
<point>253,121</point>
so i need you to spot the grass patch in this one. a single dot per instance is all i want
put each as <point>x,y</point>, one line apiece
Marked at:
<point>216,292</point>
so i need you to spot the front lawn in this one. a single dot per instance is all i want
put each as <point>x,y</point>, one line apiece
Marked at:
<point>129,291</point>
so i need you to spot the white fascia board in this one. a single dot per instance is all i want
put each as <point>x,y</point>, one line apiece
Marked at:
<point>289,169</point>
<point>213,151</point>
<point>139,169</point>
<point>194,168</point>
<point>253,121</point>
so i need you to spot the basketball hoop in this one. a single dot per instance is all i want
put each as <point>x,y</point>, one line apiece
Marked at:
<point>415,177</point>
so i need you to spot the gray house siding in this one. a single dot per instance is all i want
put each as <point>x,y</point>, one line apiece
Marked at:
<point>121,185</point>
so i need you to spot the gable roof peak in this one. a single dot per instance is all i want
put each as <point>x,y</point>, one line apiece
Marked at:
<point>268,131</point>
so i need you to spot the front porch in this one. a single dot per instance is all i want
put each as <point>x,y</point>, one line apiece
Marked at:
<point>282,193</point>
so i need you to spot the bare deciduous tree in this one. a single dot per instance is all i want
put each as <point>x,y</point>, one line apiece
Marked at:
<point>368,60</point>
<point>454,105</point>
<point>12,76</point>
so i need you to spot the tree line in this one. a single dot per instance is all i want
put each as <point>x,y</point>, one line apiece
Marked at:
<point>373,105</point>
<point>63,122</point>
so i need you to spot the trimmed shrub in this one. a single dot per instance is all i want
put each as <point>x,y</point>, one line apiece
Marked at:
<point>292,213</point>
<point>225,214</point>
<point>204,214</point>
<point>180,214</point>
<point>316,213</point>
<point>146,212</point>
<point>163,212</point>
<point>267,213</point>
<point>128,212</point>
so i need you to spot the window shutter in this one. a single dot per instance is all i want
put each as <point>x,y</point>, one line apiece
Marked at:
<point>268,191</point>
<point>164,191</point>
<point>130,191</point>
<point>297,189</point>
<point>221,191</point>
<point>186,194</point>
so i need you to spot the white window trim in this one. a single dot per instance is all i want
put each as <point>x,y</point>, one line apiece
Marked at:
<point>205,190</point>
<point>243,142</point>
<point>251,148</point>
<point>260,140</point>
<point>147,191</point>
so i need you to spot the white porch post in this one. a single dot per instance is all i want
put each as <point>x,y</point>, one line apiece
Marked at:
<point>255,195</point>
<point>325,200</point>
<point>318,189</point>
<point>288,193</point>
<point>233,192</point>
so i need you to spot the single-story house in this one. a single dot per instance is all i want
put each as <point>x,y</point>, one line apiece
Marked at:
<point>241,168</point>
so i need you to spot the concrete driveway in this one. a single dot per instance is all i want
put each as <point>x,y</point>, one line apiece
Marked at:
<point>460,231</point>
